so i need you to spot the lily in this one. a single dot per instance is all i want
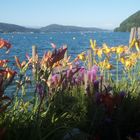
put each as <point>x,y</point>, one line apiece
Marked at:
<point>4,43</point>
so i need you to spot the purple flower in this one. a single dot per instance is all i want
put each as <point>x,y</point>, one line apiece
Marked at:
<point>77,63</point>
<point>96,85</point>
<point>92,73</point>
<point>69,73</point>
<point>122,94</point>
<point>95,68</point>
<point>54,79</point>
<point>74,80</point>
<point>81,74</point>
<point>40,90</point>
<point>82,69</point>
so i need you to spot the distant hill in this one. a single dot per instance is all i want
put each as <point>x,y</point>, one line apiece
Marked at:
<point>62,28</point>
<point>132,21</point>
<point>5,27</point>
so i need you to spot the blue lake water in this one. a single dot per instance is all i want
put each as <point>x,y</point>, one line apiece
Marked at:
<point>76,42</point>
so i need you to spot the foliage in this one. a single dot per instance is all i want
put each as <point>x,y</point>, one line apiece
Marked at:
<point>132,21</point>
<point>61,99</point>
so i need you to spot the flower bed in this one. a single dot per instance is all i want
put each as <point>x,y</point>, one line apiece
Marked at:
<point>71,101</point>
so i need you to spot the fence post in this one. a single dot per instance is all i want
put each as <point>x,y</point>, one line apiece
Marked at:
<point>34,52</point>
<point>132,34</point>
<point>66,53</point>
<point>138,31</point>
<point>90,58</point>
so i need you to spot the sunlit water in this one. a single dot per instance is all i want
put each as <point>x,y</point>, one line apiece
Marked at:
<point>76,42</point>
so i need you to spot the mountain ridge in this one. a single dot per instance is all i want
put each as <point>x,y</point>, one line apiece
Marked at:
<point>68,28</point>
<point>6,27</point>
<point>132,21</point>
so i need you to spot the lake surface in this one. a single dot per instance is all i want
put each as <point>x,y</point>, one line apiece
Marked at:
<point>76,42</point>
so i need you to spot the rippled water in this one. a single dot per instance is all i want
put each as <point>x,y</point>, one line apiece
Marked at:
<point>76,42</point>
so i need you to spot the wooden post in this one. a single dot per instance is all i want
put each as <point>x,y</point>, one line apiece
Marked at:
<point>132,34</point>
<point>90,59</point>
<point>34,52</point>
<point>138,31</point>
<point>66,53</point>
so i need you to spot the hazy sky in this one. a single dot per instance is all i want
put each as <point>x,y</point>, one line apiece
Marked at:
<point>89,13</point>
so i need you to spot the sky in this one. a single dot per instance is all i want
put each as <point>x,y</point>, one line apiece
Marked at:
<point>106,14</point>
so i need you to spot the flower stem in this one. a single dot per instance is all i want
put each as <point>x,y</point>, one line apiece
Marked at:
<point>117,69</point>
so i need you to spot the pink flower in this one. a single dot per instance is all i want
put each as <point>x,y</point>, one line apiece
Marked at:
<point>95,68</point>
<point>92,74</point>
<point>55,79</point>
<point>81,74</point>
<point>69,73</point>
<point>82,71</point>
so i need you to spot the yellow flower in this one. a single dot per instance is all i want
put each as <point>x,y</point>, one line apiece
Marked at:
<point>82,56</point>
<point>120,49</point>
<point>92,44</point>
<point>101,64</point>
<point>109,66</point>
<point>137,46</point>
<point>132,43</point>
<point>129,63</point>
<point>8,73</point>
<point>105,65</point>
<point>113,49</point>
<point>99,52</point>
<point>57,64</point>
<point>133,56</point>
<point>122,60</point>
<point>106,49</point>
